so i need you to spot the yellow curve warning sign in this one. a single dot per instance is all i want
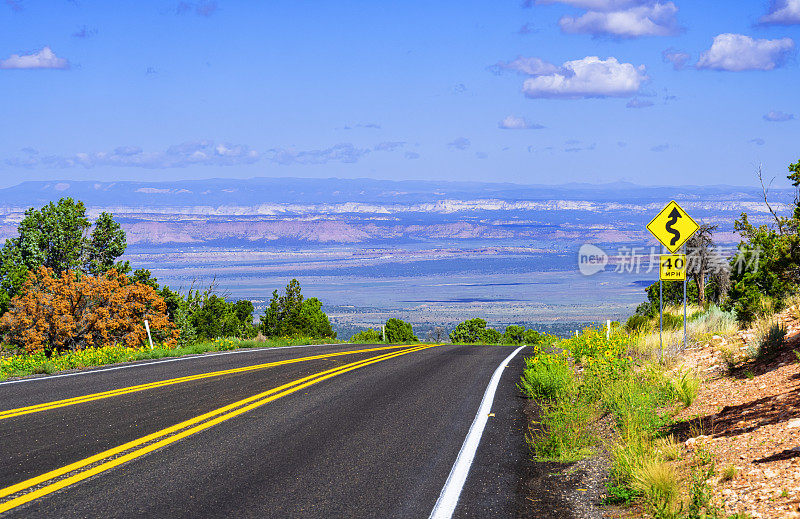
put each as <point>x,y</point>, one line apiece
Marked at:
<point>672,226</point>
<point>672,267</point>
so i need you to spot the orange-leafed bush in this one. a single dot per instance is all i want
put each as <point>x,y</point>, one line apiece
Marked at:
<point>72,311</point>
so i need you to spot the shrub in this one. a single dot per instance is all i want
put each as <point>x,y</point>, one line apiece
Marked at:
<point>770,340</point>
<point>491,336</point>
<point>534,337</point>
<point>368,336</point>
<point>685,386</point>
<point>713,320</point>
<point>71,312</point>
<point>514,335</point>
<point>672,321</point>
<point>547,377</point>
<point>216,317</point>
<point>399,331</point>
<point>468,332</point>
<point>565,431</point>
<point>750,305</point>
<point>638,323</point>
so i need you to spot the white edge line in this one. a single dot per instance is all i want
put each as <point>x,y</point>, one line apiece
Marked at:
<point>174,359</point>
<point>448,498</point>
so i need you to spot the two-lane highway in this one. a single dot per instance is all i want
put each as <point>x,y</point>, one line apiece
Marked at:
<point>323,431</point>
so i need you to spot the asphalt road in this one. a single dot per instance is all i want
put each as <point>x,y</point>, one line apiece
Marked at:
<point>376,440</point>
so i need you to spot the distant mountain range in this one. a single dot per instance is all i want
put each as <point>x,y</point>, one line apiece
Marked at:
<point>264,211</point>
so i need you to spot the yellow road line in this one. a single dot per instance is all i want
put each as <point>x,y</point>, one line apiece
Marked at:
<point>141,387</point>
<point>222,414</point>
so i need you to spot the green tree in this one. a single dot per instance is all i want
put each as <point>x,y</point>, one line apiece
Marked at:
<point>312,321</point>
<point>243,310</point>
<point>491,336</point>
<point>292,315</point>
<point>672,294</point>
<point>533,337</point>
<point>399,331</point>
<point>145,277</point>
<point>472,331</point>
<point>767,268</point>
<point>213,319</point>
<point>107,243</point>
<point>514,335</point>
<point>57,237</point>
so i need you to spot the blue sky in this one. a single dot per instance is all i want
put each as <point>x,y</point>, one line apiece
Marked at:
<point>526,91</point>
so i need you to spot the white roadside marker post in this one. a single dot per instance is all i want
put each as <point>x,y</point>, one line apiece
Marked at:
<point>608,329</point>
<point>149,338</point>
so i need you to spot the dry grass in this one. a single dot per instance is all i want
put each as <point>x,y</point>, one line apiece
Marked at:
<point>713,321</point>
<point>668,448</point>
<point>649,345</point>
<point>708,323</point>
<point>686,385</point>
<point>660,485</point>
<point>728,473</point>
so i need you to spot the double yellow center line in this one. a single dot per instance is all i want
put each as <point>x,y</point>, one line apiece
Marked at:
<point>47,483</point>
<point>10,413</point>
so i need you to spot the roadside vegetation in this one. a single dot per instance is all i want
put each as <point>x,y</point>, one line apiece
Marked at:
<point>621,396</point>
<point>67,301</point>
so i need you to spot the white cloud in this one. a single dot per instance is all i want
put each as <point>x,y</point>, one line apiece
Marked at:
<point>654,19</point>
<point>512,122</point>
<point>737,52</point>
<point>344,152</point>
<point>461,143</point>
<point>588,77</point>
<point>776,116</point>
<point>528,66</point>
<point>388,145</point>
<point>205,153</point>
<point>45,58</point>
<point>782,12</point>
<point>597,5</point>
<point>206,8</point>
<point>639,103</point>
<point>676,57</point>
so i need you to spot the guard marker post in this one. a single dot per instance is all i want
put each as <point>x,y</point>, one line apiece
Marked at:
<point>149,338</point>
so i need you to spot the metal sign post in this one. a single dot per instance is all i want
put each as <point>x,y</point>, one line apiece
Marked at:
<point>684,306</point>
<point>661,319</point>
<point>672,227</point>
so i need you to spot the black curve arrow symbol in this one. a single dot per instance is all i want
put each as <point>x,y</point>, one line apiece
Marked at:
<point>673,219</point>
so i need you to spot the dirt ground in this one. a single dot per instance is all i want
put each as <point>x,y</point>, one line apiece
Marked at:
<point>749,418</point>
